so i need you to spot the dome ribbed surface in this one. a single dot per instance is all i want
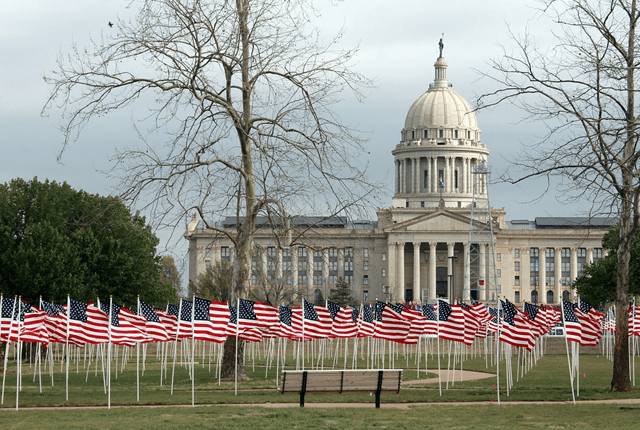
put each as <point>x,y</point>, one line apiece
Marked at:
<point>441,107</point>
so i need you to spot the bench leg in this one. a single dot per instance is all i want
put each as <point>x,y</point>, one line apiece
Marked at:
<point>378,400</point>
<point>302,400</point>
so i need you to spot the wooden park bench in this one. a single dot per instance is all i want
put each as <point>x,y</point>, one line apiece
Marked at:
<point>324,381</point>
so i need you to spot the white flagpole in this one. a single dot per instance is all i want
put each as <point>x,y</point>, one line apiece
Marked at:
<point>237,330</point>
<point>498,348</point>
<point>109,356</point>
<point>568,358</point>
<point>193,351</point>
<point>138,362</point>
<point>19,353</point>
<point>175,345</point>
<point>6,352</point>
<point>67,347</point>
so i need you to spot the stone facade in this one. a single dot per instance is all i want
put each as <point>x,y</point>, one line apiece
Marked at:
<point>420,248</point>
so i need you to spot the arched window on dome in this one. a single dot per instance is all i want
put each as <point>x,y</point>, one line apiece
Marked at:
<point>469,134</point>
<point>440,133</point>
<point>426,133</point>
<point>455,134</point>
<point>413,134</point>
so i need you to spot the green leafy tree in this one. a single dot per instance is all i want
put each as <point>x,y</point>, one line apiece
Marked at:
<point>56,241</point>
<point>214,283</point>
<point>598,284</point>
<point>341,294</point>
<point>170,273</point>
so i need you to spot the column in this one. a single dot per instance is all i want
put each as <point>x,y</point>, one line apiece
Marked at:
<point>463,181</point>
<point>340,262</point>
<point>415,187</point>
<point>590,255</point>
<point>447,187</point>
<point>400,284</point>
<point>525,273</point>
<point>466,286</point>
<point>403,172</point>
<point>432,270</point>
<point>416,270</point>
<point>294,267</point>
<point>434,175</point>
<point>279,274</point>
<point>558,275</point>
<point>397,177</point>
<point>482,251</point>
<point>391,266</point>
<point>450,284</point>
<point>325,272</point>
<point>574,264</point>
<point>542,273</point>
<point>264,267</point>
<point>309,290</point>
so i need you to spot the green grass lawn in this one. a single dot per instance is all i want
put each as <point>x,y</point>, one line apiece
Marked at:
<point>548,381</point>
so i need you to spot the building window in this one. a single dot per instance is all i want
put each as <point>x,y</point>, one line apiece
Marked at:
<point>516,253</point>
<point>550,296</point>
<point>455,179</point>
<point>333,279</point>
<point>333,252</point>
<point>468,134</point>
<point>426,178</point>
<point>384,273</point>
<point>516,281</point>
<point>582,260</point>
<point>365,265</point>
<point>207,253</point>
<point>333,266</point>
<point>550,265</point>
<point>534,297</point>
<point>365,294</point>
<point>566,295</point>
<point>597,255</point>
<point>413,134</point>
<point>565,266</point>
<point>517,297</point>
<point>207,264</point>
<point>498,273</point>
<point>533,267</point>
<point>302,252</point>
<point>516,266</point>
<point>499,256</point>
<point>302,278</point>
<point>455,133</point>
<point>365,252</point>
<point>421,204</point>
<point>365,279</point>
<point>384,257</point>
<point>426,133</point>
<point>440,133</point>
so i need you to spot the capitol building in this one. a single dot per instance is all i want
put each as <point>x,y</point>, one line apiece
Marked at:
<point>440,238</point>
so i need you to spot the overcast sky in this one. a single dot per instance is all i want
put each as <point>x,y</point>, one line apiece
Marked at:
<point>398,46</point>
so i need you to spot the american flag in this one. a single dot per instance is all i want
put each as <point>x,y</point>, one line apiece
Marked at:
<point>33,327</point>
<point>87,323</point>
<point>210,320</point>
<point>55,322</point>
<point>317,320</point>
<point>391,326</point>
<point>572,326</point>
<point>256,315</point>
<point>173,310</point>
<point>471,323</point>
<point>126,327</point>
<point>333,309</point>
<point>365,322</point>
<point>450,322</point>
<point>249,335</point>
<point>344,325</point>
<point>9,314</point>
<point>537,318</point>
<point>156,331</point>
<point>170,323</point>
<point>431,326</point>
<point>185,326</point>
<point>590,322</point>
<point>285,323</point>
<point>516,329</point>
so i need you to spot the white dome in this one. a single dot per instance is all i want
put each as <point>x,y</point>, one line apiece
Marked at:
<point>441,106</point>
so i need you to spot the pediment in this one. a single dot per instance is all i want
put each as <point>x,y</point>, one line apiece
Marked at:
<point>439,221</point>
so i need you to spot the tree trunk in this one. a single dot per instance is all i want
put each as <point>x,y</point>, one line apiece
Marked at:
<point>228,371</point>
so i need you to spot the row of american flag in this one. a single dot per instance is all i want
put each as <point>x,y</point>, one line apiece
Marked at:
<point>79,323</point>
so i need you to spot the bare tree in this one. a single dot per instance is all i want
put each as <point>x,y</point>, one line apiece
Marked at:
<point>583,90</point>
<point>245,89</point>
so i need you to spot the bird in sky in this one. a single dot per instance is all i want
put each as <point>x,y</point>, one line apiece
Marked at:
<point>110,24</point>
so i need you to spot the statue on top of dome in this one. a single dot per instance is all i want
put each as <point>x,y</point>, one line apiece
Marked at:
<point>441,45</point>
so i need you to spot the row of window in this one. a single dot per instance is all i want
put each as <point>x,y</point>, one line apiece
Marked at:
<point>440,134</point>
<point>550,296</point>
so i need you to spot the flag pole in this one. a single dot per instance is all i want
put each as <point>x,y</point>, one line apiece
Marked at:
<point>67,347</point>
<point>175,345</point>
<point>237,330</point>
<point>138,361</point>
<point>193,352</point>
<point>568,359</point>
<point>19,353</point>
